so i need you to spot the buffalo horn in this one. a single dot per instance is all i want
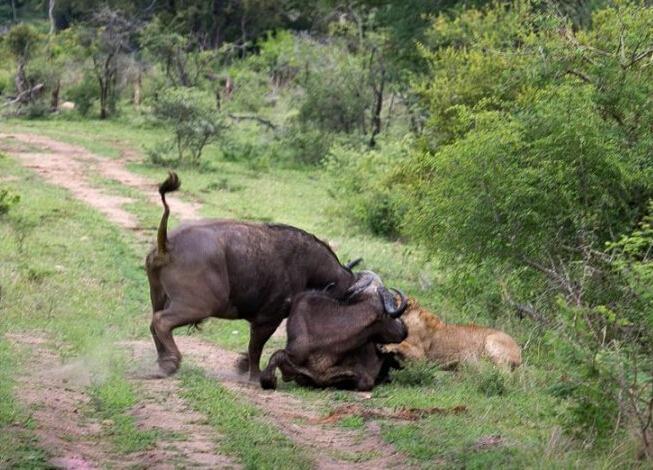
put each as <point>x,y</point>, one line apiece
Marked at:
<point>388,300</point>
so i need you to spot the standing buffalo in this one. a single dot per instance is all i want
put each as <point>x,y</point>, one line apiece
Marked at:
<point>235,270</point>
<point>333,343</point>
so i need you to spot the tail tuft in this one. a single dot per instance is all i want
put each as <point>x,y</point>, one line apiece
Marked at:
<point>172,183</point>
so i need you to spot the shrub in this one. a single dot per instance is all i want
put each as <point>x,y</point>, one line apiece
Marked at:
<point>337,98</point>
<point>366,187</point>
<point>534,159</point>
<point>304,144</point>
<point>195,122</point>
<point>84,94</point>
<point>7,200</point>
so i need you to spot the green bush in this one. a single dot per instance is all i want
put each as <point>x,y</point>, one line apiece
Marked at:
<point>367,188</point>
<point>337,96</point>
<point>36,109</point>
<point>194,121</point>
<point>527,185</point>
<point>7,200</point>
<point>5,82</point>
<point>303,144</point>
<point>84,94</point>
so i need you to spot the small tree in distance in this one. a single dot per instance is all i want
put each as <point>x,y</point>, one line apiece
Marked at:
<point>105,42</point>
<point>194,120</point>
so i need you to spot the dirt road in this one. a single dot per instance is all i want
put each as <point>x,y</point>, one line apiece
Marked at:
<point>58,399</point>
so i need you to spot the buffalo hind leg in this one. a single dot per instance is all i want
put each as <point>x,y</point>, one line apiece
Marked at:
<point>159,300</point>
<point>259,335</point>
<point>163,322</point>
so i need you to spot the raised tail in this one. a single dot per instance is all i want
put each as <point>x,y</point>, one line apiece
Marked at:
<point>172,183</point>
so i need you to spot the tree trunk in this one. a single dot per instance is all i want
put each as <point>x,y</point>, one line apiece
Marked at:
<point>54,98</point>
<point>218,23</point>
<point>243,34</point>
<point>137,90</point>
<point>103,99</point>
<point>21,79</point>
<point>378,106</point>
<point>13,11</point>
<point>51,16</point>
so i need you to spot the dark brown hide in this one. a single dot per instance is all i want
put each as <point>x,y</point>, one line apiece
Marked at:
<point>334,344</point>
<point>231,269</point>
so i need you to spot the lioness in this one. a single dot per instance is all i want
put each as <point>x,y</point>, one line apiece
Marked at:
<point>449,345</point>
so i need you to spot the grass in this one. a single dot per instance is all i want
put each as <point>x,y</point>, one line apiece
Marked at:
<point>68,273</point>
<point>256,443</point>
<point>89,289</point>
<point>112,400</point>
<point>18,446</point>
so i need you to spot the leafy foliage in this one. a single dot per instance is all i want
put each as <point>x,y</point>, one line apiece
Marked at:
<point>194,120</point>
<point>7,200</point>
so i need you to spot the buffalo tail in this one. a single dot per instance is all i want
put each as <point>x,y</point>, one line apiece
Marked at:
<point>172,183</point>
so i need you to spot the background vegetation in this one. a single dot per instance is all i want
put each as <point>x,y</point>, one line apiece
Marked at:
<point>506,146</point>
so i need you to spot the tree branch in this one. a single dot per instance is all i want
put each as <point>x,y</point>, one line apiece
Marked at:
<point>247,117</point>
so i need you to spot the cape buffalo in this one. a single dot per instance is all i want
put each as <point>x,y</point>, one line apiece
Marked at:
<point>236,270</point>
<point>333,342</point>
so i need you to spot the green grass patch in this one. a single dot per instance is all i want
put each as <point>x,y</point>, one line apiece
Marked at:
<point>112,400</point>
<point>70,274</point>
<point>246,436</point>
<point>18,444</point>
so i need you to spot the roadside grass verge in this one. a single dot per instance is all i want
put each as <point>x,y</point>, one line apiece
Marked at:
<point>254,442</point>
<point>112,399</point>
<point>18,445</point>
<point>67,273</point>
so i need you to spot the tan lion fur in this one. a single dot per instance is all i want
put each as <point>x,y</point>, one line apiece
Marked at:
<point>449,344</point>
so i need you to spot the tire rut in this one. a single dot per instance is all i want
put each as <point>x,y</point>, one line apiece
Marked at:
<point>331,447</point>
<point>56,395</point>
<point>67,166</point>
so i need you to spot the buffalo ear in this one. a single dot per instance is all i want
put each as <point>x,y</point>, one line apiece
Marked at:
<point>358,287</point>
<point>328,287</point>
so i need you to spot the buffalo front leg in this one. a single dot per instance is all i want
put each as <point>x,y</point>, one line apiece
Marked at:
<point>163,322</point>
<point>259,334</point>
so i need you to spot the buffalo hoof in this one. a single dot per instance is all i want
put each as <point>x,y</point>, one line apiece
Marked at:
<point>242,363</point>
<point>268,383</point>
<point>168,366</point>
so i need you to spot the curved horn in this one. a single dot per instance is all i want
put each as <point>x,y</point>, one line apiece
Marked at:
<point>352,264</point>
<point>388,301</point>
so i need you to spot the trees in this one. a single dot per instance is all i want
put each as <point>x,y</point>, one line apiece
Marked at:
<point>22,41</point>
<point>534,157</point>
<point>105,41</point>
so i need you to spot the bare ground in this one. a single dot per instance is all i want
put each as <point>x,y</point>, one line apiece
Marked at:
<point>69,166</point>
<point>330,446</point>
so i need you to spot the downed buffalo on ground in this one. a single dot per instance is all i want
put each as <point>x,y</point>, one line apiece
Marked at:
<point>236,270</point>
<point>449,345</point>
<point>333,343</point>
